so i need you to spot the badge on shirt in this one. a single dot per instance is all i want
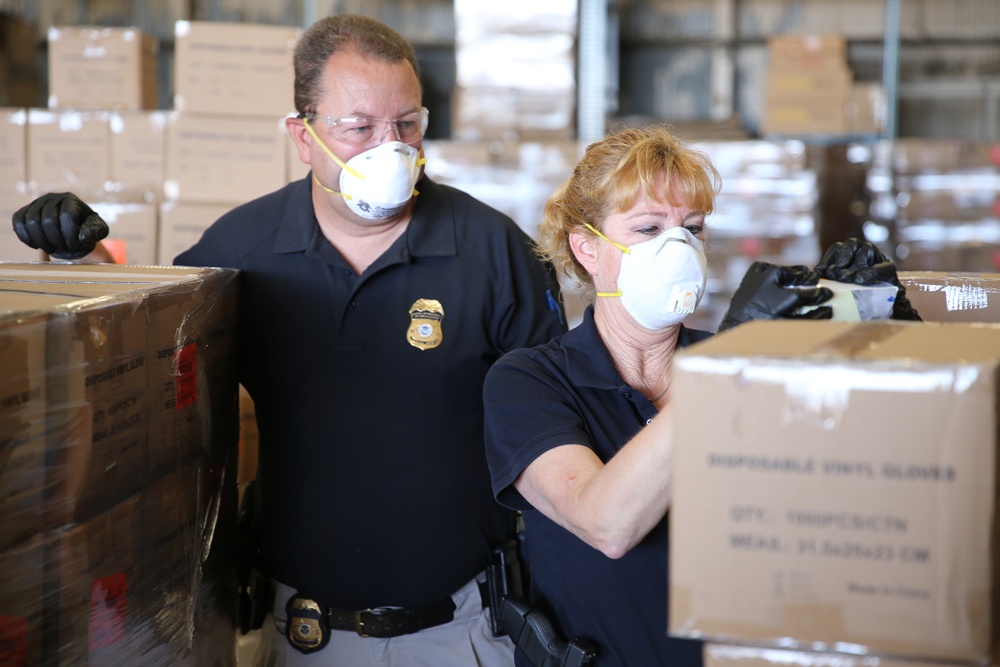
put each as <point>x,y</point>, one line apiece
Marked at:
<point>425,324</point>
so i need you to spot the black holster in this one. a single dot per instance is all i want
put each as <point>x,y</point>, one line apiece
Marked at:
<point>503,577</point>
<point>532,632</point>
<point>256,589</point>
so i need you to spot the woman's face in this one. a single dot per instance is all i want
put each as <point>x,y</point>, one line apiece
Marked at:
<point>645,219</point>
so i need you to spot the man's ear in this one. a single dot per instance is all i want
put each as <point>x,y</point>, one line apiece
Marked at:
<point>300,137</point>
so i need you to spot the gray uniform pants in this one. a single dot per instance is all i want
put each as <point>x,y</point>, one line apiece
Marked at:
<point>465,642</point>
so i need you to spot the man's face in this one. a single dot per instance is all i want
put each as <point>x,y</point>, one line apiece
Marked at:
<point>359,86</point>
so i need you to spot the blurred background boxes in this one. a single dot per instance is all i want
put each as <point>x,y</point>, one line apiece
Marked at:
<point>69,150</point>
<point>93,67</point>
<point>223,159</point>
<point>233,69</point>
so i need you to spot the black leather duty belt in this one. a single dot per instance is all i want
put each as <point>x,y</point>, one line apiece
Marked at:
<point>386,622</point>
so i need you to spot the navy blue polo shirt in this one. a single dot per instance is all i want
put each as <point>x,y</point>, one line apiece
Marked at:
<point>368,389</point>
<point>568,391</point>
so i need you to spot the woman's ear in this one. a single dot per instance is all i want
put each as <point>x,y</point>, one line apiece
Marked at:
<point>585,250</point>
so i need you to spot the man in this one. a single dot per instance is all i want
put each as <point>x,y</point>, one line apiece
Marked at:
<point>373,303</point>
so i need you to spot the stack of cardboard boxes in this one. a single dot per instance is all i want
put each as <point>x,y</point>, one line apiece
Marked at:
<point>158,177</point>
<point>939,202</point>
<point>532,95</point>
<point>811,89</point>
<point>118,423</point>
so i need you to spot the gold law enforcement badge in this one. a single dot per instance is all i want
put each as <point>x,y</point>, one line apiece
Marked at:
<point>306,626</point>
<point>425,324</point>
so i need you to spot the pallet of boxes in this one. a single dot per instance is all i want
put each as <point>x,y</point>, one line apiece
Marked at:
<point>118,432</point>
<point>835,497</point>
<point>811,90</point>
<point>158,177</point>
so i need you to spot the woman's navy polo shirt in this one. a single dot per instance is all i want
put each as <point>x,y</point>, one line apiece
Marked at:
<point>368,389</point>
<point>568,391</point>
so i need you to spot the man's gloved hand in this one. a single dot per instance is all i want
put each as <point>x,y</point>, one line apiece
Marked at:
<point>862,263</point>
<point>60,224</point>
<point>764,294</point>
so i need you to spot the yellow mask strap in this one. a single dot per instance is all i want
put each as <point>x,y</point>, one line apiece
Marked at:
<point>353,172</point>
<point>624,249</point>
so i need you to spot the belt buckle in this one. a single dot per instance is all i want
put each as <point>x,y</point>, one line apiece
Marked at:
<point>359,623</point>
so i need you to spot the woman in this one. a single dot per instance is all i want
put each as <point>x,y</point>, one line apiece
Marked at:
<point>578,434</point>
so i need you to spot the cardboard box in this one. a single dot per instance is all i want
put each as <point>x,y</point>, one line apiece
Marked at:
<point>13,148</point>
<point>835,486</point>
<point>182,224</point>
<point>69,151</point>
<point>224,159</point>
<point>806,114</point>
<point>132,232</point>
<point>22,603</point>
<point>170,541</point>
<point>234,69</point>
<point>101,68</point>
<point>731,655</point>
<point>793,79</point>
<point>951,297</point>
<point>23,435</point>
<point>95,567</point>
<point>808,48</point>
<point>138,362</point>
<point>138,146</point>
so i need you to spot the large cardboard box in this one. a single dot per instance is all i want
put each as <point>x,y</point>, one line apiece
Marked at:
<point>69,150</point>
<point>808,48</point>
<point>835,485</point>
<point>95,568</point>
<point>101,68</point>
<point>23,436</point>
<point>234,69</point>
<point>22,603</point>
<point>139,373</point>
<point>734,655</point>
<point>941,296</point>
<point>224,159</point>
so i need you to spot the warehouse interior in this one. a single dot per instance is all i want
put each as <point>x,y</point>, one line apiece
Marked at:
<point>827,119</point>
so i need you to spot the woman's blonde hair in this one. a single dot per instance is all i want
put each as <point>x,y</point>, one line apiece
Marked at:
<point>612,172</point>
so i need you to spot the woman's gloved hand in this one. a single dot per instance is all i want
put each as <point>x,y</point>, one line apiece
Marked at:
<point>860,262</point>
<point>764,294</point>
<point>60,224</point>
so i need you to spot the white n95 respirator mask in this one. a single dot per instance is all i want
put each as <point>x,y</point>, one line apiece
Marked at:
<point>378,183</point>
<point>661,281</point>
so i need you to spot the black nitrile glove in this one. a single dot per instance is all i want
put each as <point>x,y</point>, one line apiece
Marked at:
<point>764,294</point>
<point>861,263</point>
<point>60,224</point>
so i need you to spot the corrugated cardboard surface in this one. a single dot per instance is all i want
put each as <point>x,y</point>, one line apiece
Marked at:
<point>835,485</point>
<point>941,296</point>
